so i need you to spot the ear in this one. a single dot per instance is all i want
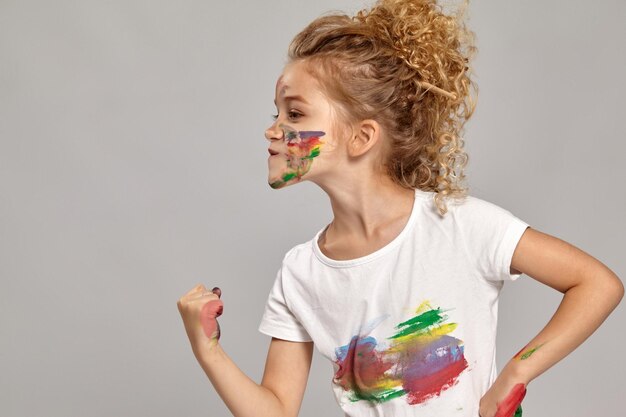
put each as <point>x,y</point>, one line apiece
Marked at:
<point>366,135</point>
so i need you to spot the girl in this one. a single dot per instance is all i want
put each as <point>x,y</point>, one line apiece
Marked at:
<point>400,291</point>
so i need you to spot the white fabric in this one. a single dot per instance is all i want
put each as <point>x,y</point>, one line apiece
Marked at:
<point>453,266</point>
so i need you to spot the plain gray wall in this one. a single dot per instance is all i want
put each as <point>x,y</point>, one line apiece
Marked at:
<point>133,166</point>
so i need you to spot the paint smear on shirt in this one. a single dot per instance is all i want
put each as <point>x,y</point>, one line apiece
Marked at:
<point>420,361</point>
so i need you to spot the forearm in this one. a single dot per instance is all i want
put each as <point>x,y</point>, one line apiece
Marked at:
<point>582,310</point>
<point>242,396</point>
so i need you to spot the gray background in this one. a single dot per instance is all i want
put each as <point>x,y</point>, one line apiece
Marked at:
<point>133,166</point>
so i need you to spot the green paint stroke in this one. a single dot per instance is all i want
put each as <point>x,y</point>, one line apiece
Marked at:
<point>303,147</point>
<point>420,324</point>
<point>379,397</point>
<point>527,354</point>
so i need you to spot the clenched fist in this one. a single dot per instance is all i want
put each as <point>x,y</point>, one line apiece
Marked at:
<point>199,309</point>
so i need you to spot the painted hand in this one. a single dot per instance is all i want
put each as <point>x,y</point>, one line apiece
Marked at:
<point>503,399</point>
<point>199,309</point>
<point>210,311</point>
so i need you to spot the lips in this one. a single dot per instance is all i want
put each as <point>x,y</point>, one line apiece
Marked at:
<point>272,152</point>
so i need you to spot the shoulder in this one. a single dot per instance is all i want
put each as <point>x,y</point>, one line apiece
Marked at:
<point>482,222</point>
<point>461,207</point>
<point>475,209</point>
<point>299,251</point>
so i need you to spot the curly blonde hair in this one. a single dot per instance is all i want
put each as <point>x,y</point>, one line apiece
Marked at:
<point>404,64</point>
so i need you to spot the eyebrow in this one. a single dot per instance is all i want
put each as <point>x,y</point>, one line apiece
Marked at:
<point>294,98</point>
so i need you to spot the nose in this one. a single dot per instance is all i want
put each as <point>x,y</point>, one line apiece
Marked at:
<point>273,132</point>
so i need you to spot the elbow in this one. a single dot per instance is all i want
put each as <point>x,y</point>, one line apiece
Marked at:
<point>604,287</point>
<point>613,290</point>
<point>619,290</point>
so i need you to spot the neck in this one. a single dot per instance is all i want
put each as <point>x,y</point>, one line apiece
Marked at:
<point>363,207</point>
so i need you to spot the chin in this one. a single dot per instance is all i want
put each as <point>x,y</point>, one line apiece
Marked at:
<point>283,181</point>
<point>276,184</point>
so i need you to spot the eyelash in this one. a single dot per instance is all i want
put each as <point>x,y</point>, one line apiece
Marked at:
<point>292,115</point>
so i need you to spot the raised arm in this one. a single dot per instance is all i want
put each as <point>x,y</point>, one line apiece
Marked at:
<point>286,370</point>
<point>281,390</point>
<point>591,292</point>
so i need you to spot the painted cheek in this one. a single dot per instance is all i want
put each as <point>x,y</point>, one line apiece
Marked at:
<point>290,135</point>
<point>302,148</point>
<point>210,311</point>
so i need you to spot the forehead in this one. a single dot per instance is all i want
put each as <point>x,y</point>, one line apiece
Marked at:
<point>296,80</point>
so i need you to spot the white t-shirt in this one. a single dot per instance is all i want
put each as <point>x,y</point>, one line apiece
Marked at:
<point>410,329</point>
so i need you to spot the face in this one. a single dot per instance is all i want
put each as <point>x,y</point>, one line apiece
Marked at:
<point>301,135</point>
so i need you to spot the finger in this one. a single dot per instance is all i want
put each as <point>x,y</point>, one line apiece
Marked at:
<point>217,291</point>
<point>206,296</point>
<point>194,290</point>
<point>200,294</point>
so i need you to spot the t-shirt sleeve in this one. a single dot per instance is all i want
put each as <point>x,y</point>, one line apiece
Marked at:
<point>491,234</point>
<point>278,320</point>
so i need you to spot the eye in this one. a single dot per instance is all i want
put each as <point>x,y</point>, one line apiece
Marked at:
<point>293,115</point>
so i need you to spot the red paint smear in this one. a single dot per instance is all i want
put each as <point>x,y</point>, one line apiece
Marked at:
<point>306,144</point>
<point>510,403</point>
<point>210,311</point>
<point>520,351</point>
<point>423,387</point>
<point>371,367</point>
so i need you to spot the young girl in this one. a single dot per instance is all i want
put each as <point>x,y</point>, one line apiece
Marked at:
<point>400,291</point>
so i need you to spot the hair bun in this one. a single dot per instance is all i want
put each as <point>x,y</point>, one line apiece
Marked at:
<point>421,36</point>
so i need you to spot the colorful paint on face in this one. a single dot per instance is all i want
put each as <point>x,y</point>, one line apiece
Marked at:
<point>302,147</point>
<point>512,402</point>
<point>420,361</point>
<point>521,356</point>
